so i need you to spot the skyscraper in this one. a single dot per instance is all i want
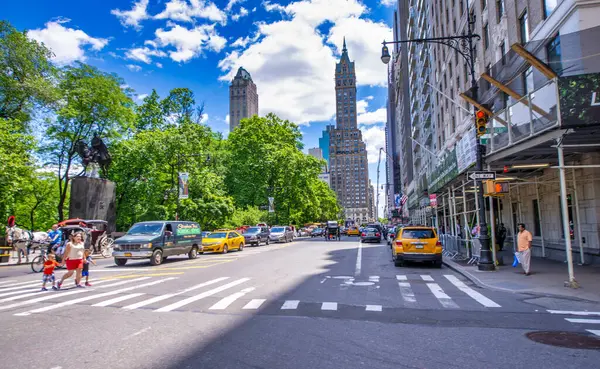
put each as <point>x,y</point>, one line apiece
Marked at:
<point>243,98</point>
<point>347,151</point>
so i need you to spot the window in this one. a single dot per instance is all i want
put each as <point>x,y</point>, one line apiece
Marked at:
<point>537,227</point>
<point>499,10</point>
<point>554,54</point>
<point>524,27</point>
<point>549,6</point>
<point>486,36</point>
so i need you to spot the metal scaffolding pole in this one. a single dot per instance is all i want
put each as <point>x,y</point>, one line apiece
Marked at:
<point>493,226</point>
<point>468,229</point>
<point>512,223</point>
<point>539,210</point>
<point>444,210</point>
<point>452,216</point>
<point>579,237</point>
<point>565,215</point>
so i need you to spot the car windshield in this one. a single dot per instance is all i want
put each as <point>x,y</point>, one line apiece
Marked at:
<point>316,229</point>
<point>253,230</point>
<point>218,235</point>
<point>277,229</point>
<point>371,230</point>
<point>145,229</point>
<point>418,233</point>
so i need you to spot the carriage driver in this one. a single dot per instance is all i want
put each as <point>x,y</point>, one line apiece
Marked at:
<point>55,238</point>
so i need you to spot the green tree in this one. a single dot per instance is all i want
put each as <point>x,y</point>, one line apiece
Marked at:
<point>92,102</point>
<point>150,113</point>
<point>35,206</point>
<point>247,216</point>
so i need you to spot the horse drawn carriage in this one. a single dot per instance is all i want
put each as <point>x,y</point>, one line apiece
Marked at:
<point>332,230</point>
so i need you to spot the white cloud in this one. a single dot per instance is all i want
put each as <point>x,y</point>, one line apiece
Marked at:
<point>227,119</point>
<point>67,44</point>
<point>243,12</point>
<point>388,2</point>
<point>361,106</point>
<point>244,41</point>
<point>189,43</point>
<point>231,3</point>
<point>204,118</point>
<point>369,98</point>
<point>184,11</point>
<point>133,17</point>
<point>159,65</point>
<point>134,68</point>
<point>374,138</point>
<point>143,54</point>
<point>308,63</point>
<point>372,117</point>
<point>141,97</point>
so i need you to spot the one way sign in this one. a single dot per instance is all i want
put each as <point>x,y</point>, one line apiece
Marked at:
<point>482,175</point>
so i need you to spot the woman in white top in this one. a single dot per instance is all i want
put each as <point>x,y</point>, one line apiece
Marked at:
<point>73,257</point>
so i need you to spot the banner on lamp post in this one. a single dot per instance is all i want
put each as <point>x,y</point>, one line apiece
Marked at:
<point>433,200</point>
<point>271,204</point>
<point>183,185</point>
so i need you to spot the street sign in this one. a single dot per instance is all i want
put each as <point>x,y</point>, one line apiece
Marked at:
<point>482,175</point>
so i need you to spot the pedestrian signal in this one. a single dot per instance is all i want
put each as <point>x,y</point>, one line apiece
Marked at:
<point>501,187</point>
<point>481,121</point>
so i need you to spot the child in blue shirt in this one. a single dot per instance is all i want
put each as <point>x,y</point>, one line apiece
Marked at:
<point>87,255</point>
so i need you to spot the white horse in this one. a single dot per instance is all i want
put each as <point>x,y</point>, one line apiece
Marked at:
<point>21,239</point>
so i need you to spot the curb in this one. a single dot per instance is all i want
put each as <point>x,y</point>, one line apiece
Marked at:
<point>465,273</point>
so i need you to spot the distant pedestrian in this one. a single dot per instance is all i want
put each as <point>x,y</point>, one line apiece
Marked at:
<point>501,236</point>
<point>55,238</point>
<point>73,257</point>
<point>524,240</point>
<point>86,266</point>
<point>48,275</point>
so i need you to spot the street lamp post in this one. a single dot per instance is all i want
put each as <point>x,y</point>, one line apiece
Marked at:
<point>463,45</point>
<point>179,156</point>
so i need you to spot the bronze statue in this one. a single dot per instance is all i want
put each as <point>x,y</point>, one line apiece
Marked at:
<point>94,157</point>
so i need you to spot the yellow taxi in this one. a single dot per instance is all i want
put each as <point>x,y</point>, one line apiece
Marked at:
<point>223,242</point>
<point>353,231</point>
<point>416,243</point>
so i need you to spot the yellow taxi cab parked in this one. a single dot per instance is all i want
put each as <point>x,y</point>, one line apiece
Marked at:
<point>416,243</point>
<point>223,241</point>
<point>353,231</point>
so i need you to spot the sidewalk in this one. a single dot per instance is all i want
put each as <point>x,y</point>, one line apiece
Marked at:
<point>547,278</point>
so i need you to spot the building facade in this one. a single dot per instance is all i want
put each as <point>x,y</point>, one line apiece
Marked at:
<point>324,142</point>
<point>316,152</point>
<point>243,98</point>
<point>347,150</point>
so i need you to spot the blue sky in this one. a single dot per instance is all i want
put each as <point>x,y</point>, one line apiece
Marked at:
<point>289,47</point>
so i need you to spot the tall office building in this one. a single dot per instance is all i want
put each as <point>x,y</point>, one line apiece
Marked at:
<point>317,152</point>
<point>347,151</point>
<point>243,98</point>
<point>324,142</point>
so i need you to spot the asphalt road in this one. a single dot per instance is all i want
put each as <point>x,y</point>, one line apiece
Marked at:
<point>306,304</point>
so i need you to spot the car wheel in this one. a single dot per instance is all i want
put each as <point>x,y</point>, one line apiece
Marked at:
<point>193,252</point>
<point>241,248</point>
<point>120,262</point>
<point>225,249</point>
<point>157,257</point>
<point>267,242</point>
<point>398,263</point>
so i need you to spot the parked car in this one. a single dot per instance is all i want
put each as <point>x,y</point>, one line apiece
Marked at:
<point>353,231</point>
<point>416,243</point>
<point>223,242</point>
<point>392,234</point>
<point>281,234</point>
<point>256,235</point>
<point>370,234</point>
<point>317,232</point>
<point>158,240</point>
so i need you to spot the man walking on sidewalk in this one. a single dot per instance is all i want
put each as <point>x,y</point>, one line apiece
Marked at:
<point>524,239</point>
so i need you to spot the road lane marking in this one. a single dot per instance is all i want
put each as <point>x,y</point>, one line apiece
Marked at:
<point>567,312</point>
<point>290,305</point>
<point>358,260</point>
<point>44,298</point>
<point>426,278</point>
<point>9,281</point>
<point>24,295</point>
<point>330,306</point>
<point>169,295</point>
<point>253,304</point>
<point>226,301</point>
<point>442,297</point>
<point>137,333</point>
<point>401,277</point>
<point>123,282</point>
<point>86,298</point>
<point>208,293</point>
<point>472,293</point>
<point>118,299</point>
<point>594,331</point>
<point>26,290</point>
<point>407,293</point>
<point>141,275</point>
<point>585,321</point>
<point>3,288</point>
<point>24,286</point>
<point>374,278</point>
<point>374,308</point>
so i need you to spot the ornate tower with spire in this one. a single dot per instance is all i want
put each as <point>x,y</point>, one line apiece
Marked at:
<point>243,98</point>
<point>348,153</point>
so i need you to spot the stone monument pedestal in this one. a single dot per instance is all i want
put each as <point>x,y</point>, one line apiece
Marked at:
<point>93,198</point>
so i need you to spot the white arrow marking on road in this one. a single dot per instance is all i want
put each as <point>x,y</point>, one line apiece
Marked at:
<point>472,293</point>
<point>226,301</point>
<point>566,312</point>
<point>254,304</point>
<point>331,306</point>
<point>118,299</point>
<point>594,331</point>
<point>374,308</point>
<point>439,294</point>
<point>588,321</point>
<point>290,305</point>
<point>358,260</point>
<point>407,294</point>
<point>208,293</point>
<point>82,299</point>
<point>427,278</point>
<point>169,295</point>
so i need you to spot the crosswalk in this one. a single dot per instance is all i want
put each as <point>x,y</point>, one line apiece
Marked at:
<point>590,324</point>
<point>220,294</point>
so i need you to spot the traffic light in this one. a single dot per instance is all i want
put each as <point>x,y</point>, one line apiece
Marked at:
<point>481,120</point>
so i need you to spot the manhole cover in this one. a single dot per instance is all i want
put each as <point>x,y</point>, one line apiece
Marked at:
<point>565,339</point>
